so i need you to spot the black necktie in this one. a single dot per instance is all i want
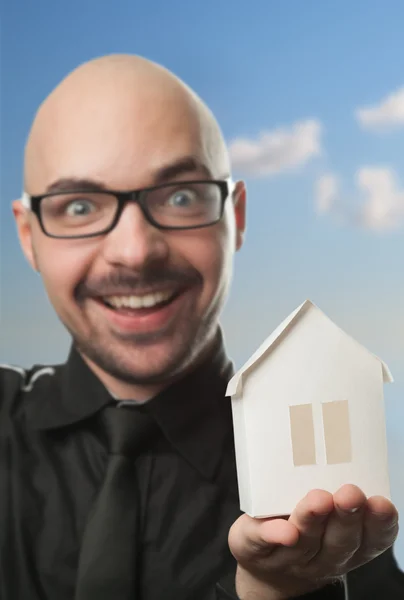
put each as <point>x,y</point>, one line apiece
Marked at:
<point>109,552</point>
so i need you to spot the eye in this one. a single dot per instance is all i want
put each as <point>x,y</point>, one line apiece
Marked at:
<point>79,207</point>
<point>183,198</point>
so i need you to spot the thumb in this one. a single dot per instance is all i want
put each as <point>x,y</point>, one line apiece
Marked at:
<point>251,538</point>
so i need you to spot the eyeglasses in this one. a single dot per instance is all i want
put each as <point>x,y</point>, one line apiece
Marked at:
<point>82,214</point>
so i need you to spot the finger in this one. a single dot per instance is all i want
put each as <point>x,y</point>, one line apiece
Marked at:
<point>344,530</point>
<point>380,528</point>
<point>309,517</point>
<point>382,506</point>
<point>309,514</point>
<point>249,539</point>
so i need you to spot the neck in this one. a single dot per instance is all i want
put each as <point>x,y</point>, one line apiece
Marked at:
<point>122,390</point>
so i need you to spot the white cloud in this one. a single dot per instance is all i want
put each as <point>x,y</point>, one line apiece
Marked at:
<point>388,113</point>
<point>326,192</point>
<point>278,150</point>
<point>384,205</point>
<point>378,202</point>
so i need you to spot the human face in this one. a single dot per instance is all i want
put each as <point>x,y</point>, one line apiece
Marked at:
<point>186,273</point>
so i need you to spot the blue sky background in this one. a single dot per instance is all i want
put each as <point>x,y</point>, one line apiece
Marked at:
<point>260,66</point>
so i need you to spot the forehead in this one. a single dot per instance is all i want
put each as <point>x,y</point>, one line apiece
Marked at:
<point>118,140</point>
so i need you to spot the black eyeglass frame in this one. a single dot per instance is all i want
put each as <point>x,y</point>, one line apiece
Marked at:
<point>139,197</point>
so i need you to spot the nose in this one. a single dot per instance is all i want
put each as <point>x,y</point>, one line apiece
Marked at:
<point>134,242</point>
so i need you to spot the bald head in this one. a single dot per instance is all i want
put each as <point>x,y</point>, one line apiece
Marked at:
<point>117,114</point>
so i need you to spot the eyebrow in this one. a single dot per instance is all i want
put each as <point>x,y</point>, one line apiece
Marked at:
<point>183,166</point>
<point>72,184</point>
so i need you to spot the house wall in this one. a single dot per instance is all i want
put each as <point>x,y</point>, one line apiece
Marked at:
<point>316,362</point>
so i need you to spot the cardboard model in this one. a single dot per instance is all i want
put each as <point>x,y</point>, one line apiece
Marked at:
<point>308,413</point>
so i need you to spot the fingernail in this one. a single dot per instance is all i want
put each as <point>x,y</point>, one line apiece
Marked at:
<point>353,510</point>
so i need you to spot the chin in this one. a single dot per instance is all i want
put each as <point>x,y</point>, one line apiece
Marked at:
<point>149,364</point>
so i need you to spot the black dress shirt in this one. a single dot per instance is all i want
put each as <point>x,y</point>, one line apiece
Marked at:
<point>53,457</point>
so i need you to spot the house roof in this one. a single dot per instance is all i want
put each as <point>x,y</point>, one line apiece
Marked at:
<point>235,383</point>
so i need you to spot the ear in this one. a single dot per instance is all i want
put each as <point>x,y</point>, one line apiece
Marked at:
<point>23,218</point>
<point>239,201</point>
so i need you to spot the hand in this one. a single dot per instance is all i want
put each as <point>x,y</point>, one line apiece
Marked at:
<point>324,538</point>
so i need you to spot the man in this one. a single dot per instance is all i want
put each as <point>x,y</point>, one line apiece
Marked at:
<point>117,469</point>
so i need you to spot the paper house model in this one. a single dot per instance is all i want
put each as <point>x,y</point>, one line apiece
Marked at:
<point>308,413</point>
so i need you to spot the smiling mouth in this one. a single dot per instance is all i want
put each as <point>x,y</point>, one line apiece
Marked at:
<point>140,302</point>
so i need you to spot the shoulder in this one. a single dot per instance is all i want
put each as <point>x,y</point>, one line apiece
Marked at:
<point>16,381</point>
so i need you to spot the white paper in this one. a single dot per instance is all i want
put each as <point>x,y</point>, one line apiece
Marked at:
<point>307,360</point>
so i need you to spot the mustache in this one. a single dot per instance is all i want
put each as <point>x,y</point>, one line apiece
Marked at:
<point>122,281</point>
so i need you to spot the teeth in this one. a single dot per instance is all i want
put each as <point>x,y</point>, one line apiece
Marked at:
<point>145,301</point>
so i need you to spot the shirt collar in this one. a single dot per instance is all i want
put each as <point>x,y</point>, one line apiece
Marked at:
<point>193,413</point>
<point>72,394</point>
